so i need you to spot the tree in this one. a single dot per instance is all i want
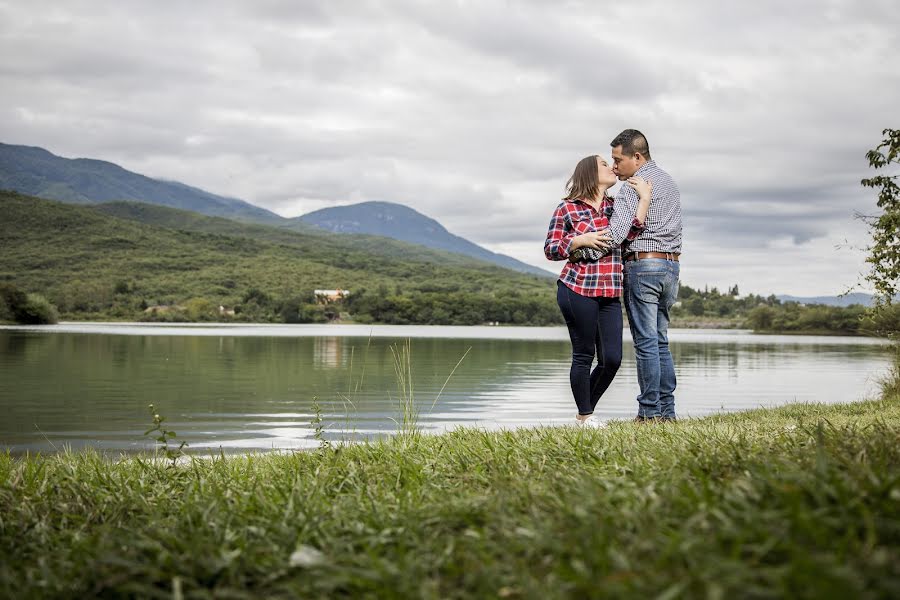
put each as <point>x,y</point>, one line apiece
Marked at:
<point>884,253</point>
<point>695,306</point>
<point>761,318</point>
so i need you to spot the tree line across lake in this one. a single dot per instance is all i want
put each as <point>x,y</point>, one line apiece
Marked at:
<point>432,305</point>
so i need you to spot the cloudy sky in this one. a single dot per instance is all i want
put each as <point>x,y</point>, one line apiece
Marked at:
<point>475,112</point>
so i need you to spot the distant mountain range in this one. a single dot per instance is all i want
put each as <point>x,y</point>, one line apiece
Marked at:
<point>845,300</point>
<point>403,223</point>
<point>37,172</point>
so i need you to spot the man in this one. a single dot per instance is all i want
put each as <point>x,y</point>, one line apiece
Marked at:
<point>651,270</point>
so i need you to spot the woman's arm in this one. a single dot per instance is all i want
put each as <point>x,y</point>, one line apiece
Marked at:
<point>559,237</point>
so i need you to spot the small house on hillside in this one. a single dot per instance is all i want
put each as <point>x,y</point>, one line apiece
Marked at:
<point>330,296</point>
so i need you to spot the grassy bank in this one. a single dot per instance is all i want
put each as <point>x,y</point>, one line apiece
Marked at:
<point>801,501</point>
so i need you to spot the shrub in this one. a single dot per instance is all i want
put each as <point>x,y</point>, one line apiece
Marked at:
<point>28,309</point>
<point>303,309</point>
<point>200,309</point>
<point>37,311</point>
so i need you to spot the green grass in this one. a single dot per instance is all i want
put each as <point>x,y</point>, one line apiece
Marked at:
<point>801,501</point>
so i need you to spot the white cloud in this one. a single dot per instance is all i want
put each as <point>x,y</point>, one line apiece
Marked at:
<point>475,113</point>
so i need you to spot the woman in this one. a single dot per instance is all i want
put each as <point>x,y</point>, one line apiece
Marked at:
<point>590,283</point>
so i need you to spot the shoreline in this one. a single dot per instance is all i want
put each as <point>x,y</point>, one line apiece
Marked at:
<point>385,330</point>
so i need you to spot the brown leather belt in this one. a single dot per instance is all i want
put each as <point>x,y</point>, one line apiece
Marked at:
<point>642,255</point>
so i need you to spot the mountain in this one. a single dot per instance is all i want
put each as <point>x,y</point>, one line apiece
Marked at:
<point>845,300</point>
<point>311,241</point>
<point>403,223</point>
<point>37,172</point>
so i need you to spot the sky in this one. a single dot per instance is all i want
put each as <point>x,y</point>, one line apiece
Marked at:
<point>475,113</point>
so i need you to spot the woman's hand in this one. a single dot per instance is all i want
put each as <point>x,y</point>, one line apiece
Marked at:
<point>644,190</point>
<point>643,187</point>
<point>592,239</point>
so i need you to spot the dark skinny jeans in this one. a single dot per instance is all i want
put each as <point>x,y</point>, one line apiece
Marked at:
<point>595,327</point>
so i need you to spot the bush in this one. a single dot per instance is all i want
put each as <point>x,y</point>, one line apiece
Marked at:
<point>302,309</point>
<point>37,311</point>
<point>27,309</point>
<point>200,309</point>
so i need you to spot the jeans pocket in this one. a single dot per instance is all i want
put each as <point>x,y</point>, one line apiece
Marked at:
<point>649,286</point>
<point>671,288</point>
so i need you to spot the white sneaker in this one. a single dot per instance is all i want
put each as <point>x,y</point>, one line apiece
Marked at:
<point>591,422</point>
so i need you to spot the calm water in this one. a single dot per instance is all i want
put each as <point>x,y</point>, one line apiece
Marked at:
<point>252,387</point>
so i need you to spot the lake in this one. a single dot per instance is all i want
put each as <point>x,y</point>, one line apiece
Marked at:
<point>236,388</point>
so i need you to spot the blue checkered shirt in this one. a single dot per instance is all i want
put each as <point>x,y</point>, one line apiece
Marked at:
<point>662,227</point>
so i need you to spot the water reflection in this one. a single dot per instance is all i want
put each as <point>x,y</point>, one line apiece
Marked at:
<point>239,392</point>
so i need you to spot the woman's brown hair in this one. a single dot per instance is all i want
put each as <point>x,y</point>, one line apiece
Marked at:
<point>584,182</point>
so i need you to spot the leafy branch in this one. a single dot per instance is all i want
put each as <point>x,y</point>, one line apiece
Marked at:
<point>884,253</point>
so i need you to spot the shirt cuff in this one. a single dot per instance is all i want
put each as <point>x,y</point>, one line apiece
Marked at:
<point>637,228</point>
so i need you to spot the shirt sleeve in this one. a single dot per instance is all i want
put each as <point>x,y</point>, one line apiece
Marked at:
<point>637,228</point>
<point>559,236</point>
<point>622,223</point>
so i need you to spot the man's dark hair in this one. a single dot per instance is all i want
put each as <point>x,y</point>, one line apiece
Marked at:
<point>632,141</point>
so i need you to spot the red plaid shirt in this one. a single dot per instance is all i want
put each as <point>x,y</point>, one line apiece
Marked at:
<point>599,278</point>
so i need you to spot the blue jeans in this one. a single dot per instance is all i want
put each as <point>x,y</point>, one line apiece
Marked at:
<point>651,288</point>
<point>595,328</point>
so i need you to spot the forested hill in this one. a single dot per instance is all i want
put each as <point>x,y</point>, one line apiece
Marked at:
<point>308,238</point>
<point>37,172</point>
<point>115,261</point>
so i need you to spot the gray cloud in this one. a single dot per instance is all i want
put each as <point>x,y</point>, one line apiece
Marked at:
<point>475,112</point>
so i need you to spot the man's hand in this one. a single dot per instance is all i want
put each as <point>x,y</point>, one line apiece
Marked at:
<point>601,240</point>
